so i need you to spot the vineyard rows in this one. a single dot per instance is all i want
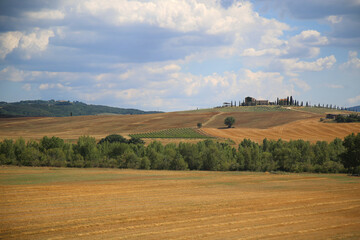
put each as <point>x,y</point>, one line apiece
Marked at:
<point>172,133</point>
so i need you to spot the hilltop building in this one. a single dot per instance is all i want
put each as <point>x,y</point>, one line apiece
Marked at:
<point>283,101</point>
<point>226,104</point>
<point>250,101</point>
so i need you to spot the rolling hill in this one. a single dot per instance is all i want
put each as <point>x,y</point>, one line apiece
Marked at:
<point>294,123</point>
<point>52,108</point>
<point>354,109</point>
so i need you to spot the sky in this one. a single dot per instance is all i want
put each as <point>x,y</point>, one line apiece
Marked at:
<point>171,55</point>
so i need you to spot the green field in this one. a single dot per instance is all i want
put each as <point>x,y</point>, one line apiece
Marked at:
<point>242,109</point>
<point>172,133</point>
<point>320,110</point>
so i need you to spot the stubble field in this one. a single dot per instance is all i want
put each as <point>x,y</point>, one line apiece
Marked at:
<point>271,123</point>
<point>51,203</point>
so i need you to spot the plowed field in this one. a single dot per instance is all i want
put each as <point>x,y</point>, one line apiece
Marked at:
<point>43,203</point>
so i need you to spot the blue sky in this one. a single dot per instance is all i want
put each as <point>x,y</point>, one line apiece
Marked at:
<point>180,54</point>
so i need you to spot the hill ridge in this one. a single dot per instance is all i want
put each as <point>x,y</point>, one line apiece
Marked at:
<point>53,108</point>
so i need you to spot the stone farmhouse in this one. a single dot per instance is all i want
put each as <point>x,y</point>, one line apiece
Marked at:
<point>250,101</point>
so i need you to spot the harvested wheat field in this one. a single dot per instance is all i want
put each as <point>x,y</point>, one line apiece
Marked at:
<point>72,128</point>
<point>310,129</point>
<point>51,203</point>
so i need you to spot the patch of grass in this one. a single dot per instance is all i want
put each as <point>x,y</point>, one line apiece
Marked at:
<point>50,176</point>
<point>243,109</point>
<point>172,133</point>
<point>320,110</point>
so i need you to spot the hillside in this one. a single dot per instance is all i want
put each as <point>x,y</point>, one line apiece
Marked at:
<point>255,125</point>
<point>354,109</point>
<point>52,108</point>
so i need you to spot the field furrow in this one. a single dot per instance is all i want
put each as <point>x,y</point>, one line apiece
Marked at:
<point>180,205</point>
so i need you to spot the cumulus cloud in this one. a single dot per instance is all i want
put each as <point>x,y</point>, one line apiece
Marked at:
<point>353,61</point>
<point>294,65</point>
<point>8,42</point>
<point>354,100</point>
<point>28,44</point>
<point>342,16</point>
<point>306,44</point>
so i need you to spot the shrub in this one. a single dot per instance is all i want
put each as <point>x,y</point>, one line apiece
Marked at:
<point>113,138</point>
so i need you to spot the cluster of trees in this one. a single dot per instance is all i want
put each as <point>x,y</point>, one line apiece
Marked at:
<point>117,152</point>
<point>346,119</point>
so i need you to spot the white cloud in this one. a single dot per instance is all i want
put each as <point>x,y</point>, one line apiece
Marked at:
<point>334,19</point>
<point>353,61</point>
<point>27,87</point>
<point>354,100</point>
<point>305,44</point>
<point>28,44</point>
<point>251,52</point>
<point>300,84</point>
<point>176,90</point>
<point>12,74</point>
<point>45,14</point>
<point>294,65</point>
<point>8,42</point>
<point>35,41</point>
<point>179,15</point>
<point>310,37</point>
<point>163,69</point>
<point>46,86</point>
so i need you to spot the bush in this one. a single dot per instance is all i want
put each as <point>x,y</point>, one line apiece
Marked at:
<point>113,138</point>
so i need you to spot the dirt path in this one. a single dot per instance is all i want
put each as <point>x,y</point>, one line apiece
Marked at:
<point>212,118</point>
<point>298,110</point>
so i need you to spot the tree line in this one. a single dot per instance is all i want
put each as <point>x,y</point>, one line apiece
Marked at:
<point>349,118</point>
<point>290,101</point>
<point>115,151</point>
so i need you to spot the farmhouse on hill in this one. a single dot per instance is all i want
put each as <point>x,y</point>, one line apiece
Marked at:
<point>250,101</point>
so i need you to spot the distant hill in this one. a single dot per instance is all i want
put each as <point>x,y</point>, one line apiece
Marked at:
<point>355,109</point>
<point>52,108</point>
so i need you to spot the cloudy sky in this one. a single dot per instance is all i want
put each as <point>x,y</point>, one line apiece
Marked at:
<point>180,54</point>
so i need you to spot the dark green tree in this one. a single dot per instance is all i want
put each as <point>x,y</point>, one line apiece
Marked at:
<point>113,138</point>
<point>53,142</point>
<point>136,140</point>
<point>229,121</point>
<point>351,157</point>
